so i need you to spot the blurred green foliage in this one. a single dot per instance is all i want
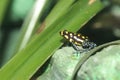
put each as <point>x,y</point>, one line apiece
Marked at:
<point>20,8</point>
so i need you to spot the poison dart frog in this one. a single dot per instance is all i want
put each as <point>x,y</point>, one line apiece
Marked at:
<point>78,40</point>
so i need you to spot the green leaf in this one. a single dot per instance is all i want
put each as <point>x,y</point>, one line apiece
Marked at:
<point>3,8</point>
<point>29,25</point>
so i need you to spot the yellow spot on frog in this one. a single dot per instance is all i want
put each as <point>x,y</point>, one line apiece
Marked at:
<point>66,37</point>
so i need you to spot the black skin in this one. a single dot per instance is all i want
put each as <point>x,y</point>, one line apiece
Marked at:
<point>86,45</point>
